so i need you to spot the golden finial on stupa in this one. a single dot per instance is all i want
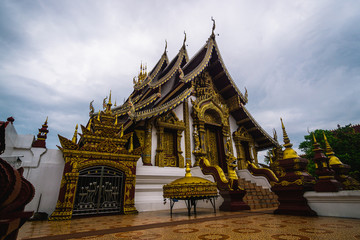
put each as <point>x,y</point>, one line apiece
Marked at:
<point>314,138</point>
<point>333,160</point>
<point>188,171</point>
<point>288,152</point>
<point>74,139</point>
<point>46,121</point>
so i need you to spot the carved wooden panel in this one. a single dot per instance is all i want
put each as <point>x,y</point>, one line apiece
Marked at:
<point>212,146</point>
<point>170,156</point>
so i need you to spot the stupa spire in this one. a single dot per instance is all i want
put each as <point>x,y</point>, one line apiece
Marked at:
<point>40,142</point>
<point>333,160</point>
<point>329,150</point>
<point>288,152</point>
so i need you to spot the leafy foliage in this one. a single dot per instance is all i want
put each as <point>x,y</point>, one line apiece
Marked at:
<point>344,141</point>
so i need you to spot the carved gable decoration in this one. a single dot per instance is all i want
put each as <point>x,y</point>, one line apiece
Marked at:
<point>242,134</point>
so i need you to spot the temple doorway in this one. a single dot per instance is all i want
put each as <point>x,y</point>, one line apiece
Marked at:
<point>99,190</point>
<point>170,148</point>
<point>215,146</point>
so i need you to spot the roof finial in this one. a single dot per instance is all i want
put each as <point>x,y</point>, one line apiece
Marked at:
<point>213,28</point>
<point>165,46</point>
<point>184,38</point>
<point>91,108</point>
<point>74,139</point>
<point>275,134</point>
<point>109,98</point>
<point>47,117</point>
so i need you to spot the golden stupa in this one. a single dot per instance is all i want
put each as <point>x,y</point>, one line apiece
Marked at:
<point>189,187</point>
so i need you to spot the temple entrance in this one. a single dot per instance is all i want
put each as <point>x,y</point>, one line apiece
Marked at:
<point>170,150</point>
<point>99,190</point>
<point>215,146</point>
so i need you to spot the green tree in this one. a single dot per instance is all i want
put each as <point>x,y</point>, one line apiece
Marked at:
<point>344,141</point>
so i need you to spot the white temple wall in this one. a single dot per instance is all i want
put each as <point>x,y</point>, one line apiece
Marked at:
<point>179,111</point>
<point>153,144</point>
<point>46,176</point>
<point>149,187</point>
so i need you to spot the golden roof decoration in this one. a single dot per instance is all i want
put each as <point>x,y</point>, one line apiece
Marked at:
<point>189,186</point>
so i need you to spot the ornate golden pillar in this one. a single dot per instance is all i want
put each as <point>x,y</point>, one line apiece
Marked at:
<point>146,157</point>
<point>187,133</point>
<point>179,151</point>
<point>160,147</point>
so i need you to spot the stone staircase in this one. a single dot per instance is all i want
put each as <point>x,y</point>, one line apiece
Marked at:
<point>258,197</point>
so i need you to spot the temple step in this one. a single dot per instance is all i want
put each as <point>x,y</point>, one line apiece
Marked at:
<point>258,197</point>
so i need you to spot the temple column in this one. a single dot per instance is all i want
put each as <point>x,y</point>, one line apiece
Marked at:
<point>147,150</point>
<point>179,151</point>
<point>160,149</point>
<point>187,133</point>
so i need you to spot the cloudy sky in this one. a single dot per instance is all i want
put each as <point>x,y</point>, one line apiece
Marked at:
<point>299,60</point>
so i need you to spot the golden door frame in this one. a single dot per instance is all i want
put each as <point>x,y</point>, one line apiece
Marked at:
<point>75,161</point>
<point>200,110</point>
<point>171,122</point>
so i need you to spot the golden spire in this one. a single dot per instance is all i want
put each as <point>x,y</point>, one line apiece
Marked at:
<point>110,98</point>
<point>116,119</point>
<point>188,173</point>
<point>329,151</point>
<point>89,125</point>
<point>288,152</point>
<point>46,121</point>
<point>333,160</point>
<point>74,139</point>
<point>98,117</point>
<point>314,138</point>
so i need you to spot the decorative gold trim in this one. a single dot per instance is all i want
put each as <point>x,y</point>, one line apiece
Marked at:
<point>187,132</point>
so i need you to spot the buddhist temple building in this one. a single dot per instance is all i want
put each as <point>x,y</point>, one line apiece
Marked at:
<point>184,111</point>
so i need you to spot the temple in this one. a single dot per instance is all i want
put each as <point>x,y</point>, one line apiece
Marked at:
<point>186,114</point>
<point>182,112</point>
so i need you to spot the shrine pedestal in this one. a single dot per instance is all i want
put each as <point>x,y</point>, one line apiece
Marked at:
<point>233,201</point>
<point>292,201</point>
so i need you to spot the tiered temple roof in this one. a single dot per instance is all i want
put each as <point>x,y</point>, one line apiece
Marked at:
<point>169,83</point>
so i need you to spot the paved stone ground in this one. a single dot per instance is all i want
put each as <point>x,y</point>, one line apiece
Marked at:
<point>205,225</point>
